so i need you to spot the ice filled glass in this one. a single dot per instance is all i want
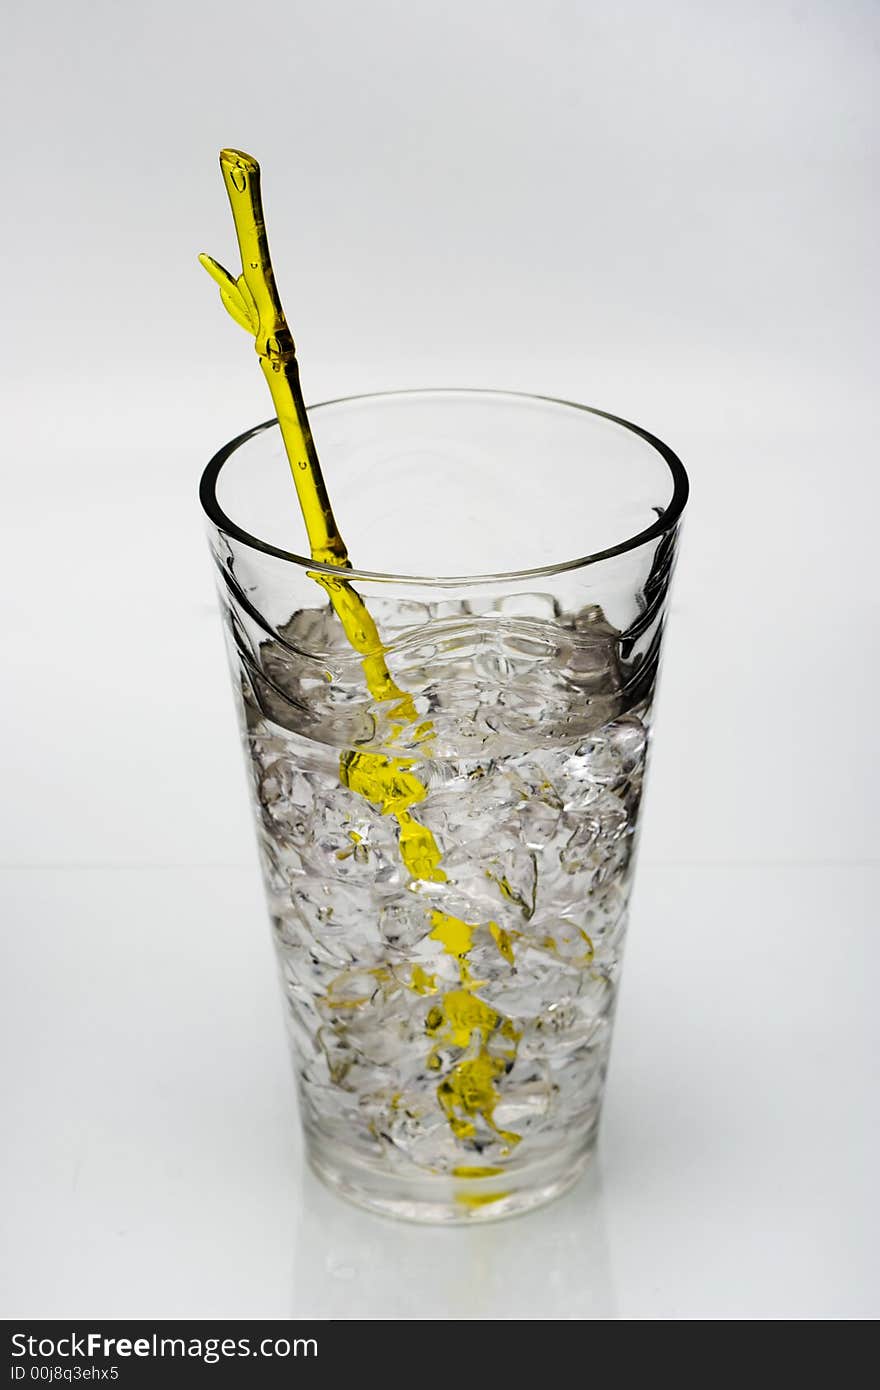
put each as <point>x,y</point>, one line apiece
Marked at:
<point>448,857</point>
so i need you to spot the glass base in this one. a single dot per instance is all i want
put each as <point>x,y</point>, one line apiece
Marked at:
<point>451,1201</point>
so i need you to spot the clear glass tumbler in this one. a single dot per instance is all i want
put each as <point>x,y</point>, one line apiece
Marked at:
<point>448,868</point>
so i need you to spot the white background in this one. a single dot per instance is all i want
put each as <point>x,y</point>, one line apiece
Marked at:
<point>662,210</point>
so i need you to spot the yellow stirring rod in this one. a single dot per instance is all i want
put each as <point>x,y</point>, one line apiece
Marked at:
<point>252,301</point>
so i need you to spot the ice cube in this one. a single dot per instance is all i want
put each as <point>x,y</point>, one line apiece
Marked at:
<point>592,828</point>
<point>469,806</point>
<point>611,757</point>
<point>498,873</point>
<point>353,843</point>
<point>559,1029</point>
<point>538,982</point>
<point>627,740</point>
<point>403,923</point>
<point>526,1097</point>
<point>287,802</point>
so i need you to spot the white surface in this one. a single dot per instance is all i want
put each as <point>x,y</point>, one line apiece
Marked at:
<point>664,211</point>
<point>157,1163</point>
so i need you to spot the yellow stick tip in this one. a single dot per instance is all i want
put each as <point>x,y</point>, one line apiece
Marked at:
<point>237,159</point>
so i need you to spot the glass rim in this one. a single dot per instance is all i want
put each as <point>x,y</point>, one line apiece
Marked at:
<point>666,520</point>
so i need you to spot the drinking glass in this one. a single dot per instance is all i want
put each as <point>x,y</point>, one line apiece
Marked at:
<point>448,859</point>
